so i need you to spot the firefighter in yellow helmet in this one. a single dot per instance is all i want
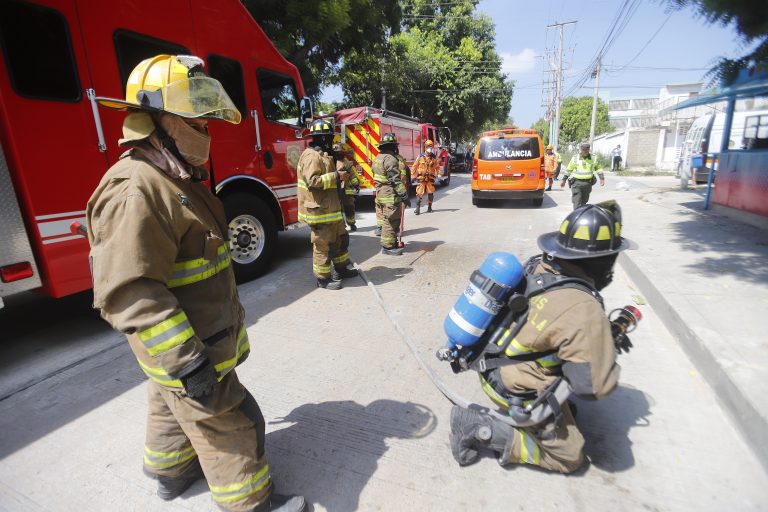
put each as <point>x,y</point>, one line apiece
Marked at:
<point>162,275</point>
<point>320,207</point>
<point>345,161</point>
<point>425,168</point>
<point>565,334</point>
<point>390,193</point>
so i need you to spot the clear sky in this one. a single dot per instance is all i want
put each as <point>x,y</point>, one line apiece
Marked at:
<point>684,42</point>
<point>683,45</point>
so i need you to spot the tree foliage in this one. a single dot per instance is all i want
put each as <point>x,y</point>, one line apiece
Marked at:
<point>576,118</point>
<point>542,126</point>
<point>442,67</point>
<point>750,18</point>
<point>315,34</point>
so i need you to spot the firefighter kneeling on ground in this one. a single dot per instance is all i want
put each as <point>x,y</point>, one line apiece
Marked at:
<point>162,275</point>
<point>345,161</point>
<point>320,207</point>
<point>390,193</point>
<point>565,334</point>
<point>425,168</point>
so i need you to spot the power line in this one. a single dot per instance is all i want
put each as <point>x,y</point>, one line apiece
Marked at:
<point>646,44</point>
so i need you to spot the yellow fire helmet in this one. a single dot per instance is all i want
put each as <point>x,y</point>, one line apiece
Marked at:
<point>176,84</point>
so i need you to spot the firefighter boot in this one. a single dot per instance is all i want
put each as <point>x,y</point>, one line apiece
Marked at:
<point>472,431</point>
<point>280,503</point>
<point>377,231</point>
<point>169,488</point>
<point>429,207</point>
<point>392,251</point>
<point>343,273</point>
<point>418,208</point>
<point>328,283</point>
<point>352,228</point>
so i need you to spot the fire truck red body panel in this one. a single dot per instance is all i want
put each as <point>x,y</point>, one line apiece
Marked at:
<point>51,144</point>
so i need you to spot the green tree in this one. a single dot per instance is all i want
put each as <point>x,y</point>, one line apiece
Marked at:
<point>542,126</point>
<point>750,18</point>
<point>576,118</point>
<point>442,67</point>
<point>315,34</point>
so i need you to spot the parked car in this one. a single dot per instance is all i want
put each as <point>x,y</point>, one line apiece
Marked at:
<point>508,164</point>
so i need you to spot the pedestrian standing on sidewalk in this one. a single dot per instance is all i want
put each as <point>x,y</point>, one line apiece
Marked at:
<point>320,207</point>
<point>567,334</point>
<point>390,193</point>
<point>616,158</point>
<point>425,168</point>
<point>162,275</point>
<point>580,174</point>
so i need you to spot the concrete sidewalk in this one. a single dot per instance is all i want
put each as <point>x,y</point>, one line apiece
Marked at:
<point>705,275</point>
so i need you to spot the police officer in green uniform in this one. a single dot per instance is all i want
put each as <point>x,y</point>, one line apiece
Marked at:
<point>580,173</point>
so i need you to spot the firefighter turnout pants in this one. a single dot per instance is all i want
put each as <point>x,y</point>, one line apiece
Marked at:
<point>330,247</point>
<point>349,209</point>
<point>390,215</point>
<point>580,191</point>
<point>556,446</point>
<point>425,187</point>
<point>224,431</point>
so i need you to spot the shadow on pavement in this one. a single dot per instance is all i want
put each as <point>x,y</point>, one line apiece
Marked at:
<point>332,449</point>
<point>606,425</point>
<point>516,204</point>
<point>741,250</point>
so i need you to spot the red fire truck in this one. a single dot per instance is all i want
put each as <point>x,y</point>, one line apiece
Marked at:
<point>362,128</point>
<point>58,55</point>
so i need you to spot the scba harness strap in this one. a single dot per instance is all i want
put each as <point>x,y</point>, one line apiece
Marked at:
<point>496,354</point>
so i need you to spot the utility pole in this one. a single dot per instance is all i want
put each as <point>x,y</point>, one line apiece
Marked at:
<point>596,75</point>
<point>383,99</point>
<point>559,84</point>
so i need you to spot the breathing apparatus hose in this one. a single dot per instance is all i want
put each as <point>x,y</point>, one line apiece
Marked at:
<point>520,417</point>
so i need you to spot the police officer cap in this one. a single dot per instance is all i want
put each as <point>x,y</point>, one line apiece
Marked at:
<point>592,231</point>
<point>584,145</point>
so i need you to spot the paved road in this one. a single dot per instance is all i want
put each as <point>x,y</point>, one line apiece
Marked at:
<point>353,421</point>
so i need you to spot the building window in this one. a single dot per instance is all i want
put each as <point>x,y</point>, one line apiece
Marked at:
<point>132,48</point>
<point>756,132</point>
<point>38,52</point>
<point>278,97</point>
<point>230,73</point>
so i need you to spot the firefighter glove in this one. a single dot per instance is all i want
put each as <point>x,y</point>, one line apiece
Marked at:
<point>407,201</point>
<point>201,381</point>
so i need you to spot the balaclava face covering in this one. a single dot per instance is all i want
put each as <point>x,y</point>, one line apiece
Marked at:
<point>193,146</point>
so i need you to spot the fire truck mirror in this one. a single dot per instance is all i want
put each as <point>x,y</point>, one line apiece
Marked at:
<point>305,108</point>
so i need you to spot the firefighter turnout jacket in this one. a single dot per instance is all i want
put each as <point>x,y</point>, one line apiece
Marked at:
<point>161,271</point>
<point>387,177</point>
<point>319,201</point>
<point>353,183</point>
<point>569,332</point>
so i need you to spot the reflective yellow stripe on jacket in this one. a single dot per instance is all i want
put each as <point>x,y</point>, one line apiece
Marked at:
<point>193,271</point>
<point>161,376</point>
<point>167,334</point>
<point>241,490</point>
<point>322,218</point>
<point>515,348</point>
<point>582,168</point>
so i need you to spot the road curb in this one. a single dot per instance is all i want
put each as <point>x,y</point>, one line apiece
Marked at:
<point>753,425</point>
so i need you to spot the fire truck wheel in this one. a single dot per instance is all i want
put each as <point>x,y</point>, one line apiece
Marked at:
<point>252,235</point>
<point>538,201</point>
